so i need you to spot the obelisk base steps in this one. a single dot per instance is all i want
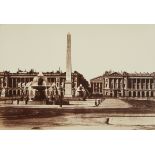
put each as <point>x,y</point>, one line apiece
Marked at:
<point>68,90</point>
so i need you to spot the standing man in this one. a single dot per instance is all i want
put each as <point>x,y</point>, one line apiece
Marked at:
<point>26,99</point>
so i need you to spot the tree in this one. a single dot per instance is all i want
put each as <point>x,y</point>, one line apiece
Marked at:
<point>83,81</point>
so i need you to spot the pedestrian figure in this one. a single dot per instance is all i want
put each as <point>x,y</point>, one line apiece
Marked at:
<point>26,100</point>
<point>17,101</point>
<point>97,102</point>
<point>107,121</point>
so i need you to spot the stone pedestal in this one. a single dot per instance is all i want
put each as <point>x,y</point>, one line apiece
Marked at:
<point>68,90</point>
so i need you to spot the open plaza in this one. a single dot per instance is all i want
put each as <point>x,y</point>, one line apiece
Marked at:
<point>65,100</point>
<point>109,114</point>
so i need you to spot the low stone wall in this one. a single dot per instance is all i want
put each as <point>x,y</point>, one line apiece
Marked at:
<point>6,102</point>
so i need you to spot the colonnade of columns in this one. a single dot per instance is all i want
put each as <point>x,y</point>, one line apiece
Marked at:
<point>14,82</point>
<point>139,83</point>
<point>125,87</point>
<point>141,87</point>
<point>14,88</point>
<point>97,87</point>
<point>117,83</point>
<point>141,93</point>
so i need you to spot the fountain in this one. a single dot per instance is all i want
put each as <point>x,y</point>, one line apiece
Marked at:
<point>80,92</point>
<point>38,88</point>
<point>41,90</point>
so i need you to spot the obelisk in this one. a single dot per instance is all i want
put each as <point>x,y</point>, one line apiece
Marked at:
<point>68,82</point>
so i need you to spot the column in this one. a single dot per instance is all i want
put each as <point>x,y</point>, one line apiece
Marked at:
<point>132,85</point>
<point>6,81</point>
<point>12,82</point>
<point>16,83</point>
<point>140,84</point>
<point>98,87</point>
<point>126,83</point>
<point>118,83</point>
<point>136,87</point>
<point>123,84</point>
<point>145,94</point>
<point>111,83</point>
<point>149,85</point>
<point>16,86</point>
<point>108,82</point>
<point>153,87</point>
<point>93,87</point>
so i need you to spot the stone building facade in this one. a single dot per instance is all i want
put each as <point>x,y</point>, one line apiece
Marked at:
<point>115,84</point>
<point>14,82</point>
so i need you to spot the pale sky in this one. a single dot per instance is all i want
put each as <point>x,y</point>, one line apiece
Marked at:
<point>95,48</point>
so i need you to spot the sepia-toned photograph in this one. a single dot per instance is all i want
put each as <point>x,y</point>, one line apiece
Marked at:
<point>77,77</point>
